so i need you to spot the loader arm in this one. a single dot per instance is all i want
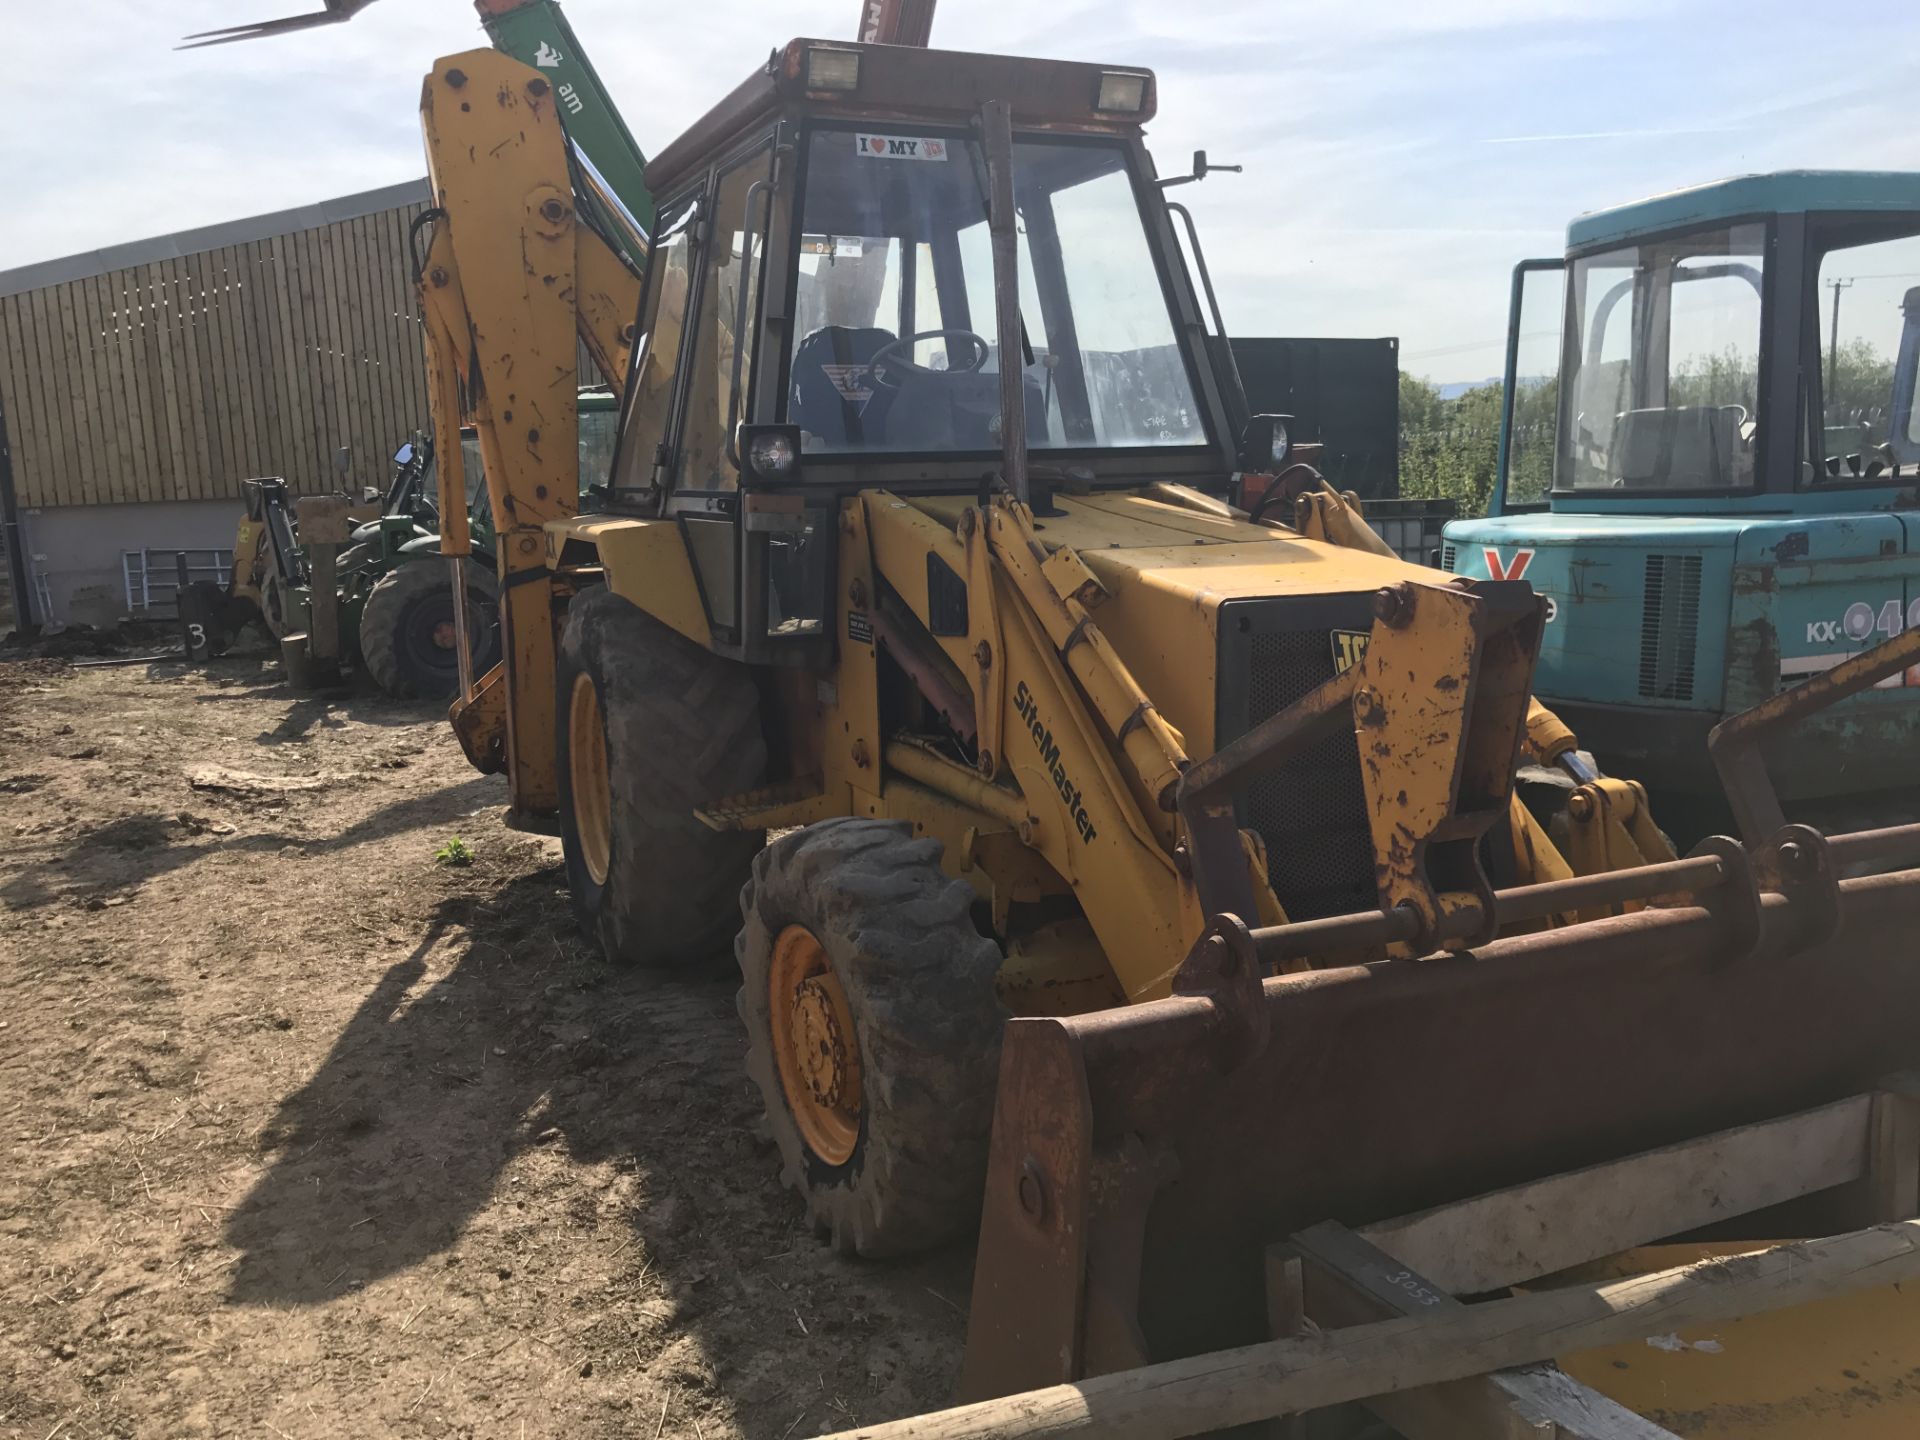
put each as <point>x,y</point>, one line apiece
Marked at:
<point>511,281</point>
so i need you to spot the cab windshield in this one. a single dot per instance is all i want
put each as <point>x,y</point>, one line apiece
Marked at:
<point>1662,365</point>
<point>893,343</point>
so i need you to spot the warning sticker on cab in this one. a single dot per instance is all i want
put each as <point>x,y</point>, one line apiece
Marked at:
<point>901,147</point>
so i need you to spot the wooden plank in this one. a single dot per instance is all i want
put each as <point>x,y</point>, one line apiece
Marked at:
<point>264,349</point>
<point>263,353</point>
<point>359,372</point>
<point>360,283</point>
<point>54,421</point>
<point>1349,1282</point>
<point>222,479</point>
<point>17,400</point>
<point>1893,1152</point>
<point>414,335</point>
<point>80,413</point>
<point>1282,1377</point>
<point>306,274</point>
<point>246,400</point>
<point>291,379</point>
<point>1530,1230</point>
<point>327,305</point>
<point>225,427</point>
<point>112,395</point>
<point>175,478</point>
<point>76,428</point>
<point>191,373</point>
<point>122,326</point>
<point>106,461</point>
<point>399,404</point>
<point>153,388</point>
<point>142,377</point>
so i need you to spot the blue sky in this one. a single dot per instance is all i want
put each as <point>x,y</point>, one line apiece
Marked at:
<point>1399,155</point>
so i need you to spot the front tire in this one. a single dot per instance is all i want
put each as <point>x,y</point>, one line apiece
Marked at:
<point>651,727</point>
<point>407,631</point>
<point>873,1032</point>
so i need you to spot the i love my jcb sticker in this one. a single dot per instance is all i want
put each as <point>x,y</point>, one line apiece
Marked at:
<point>900,147</point>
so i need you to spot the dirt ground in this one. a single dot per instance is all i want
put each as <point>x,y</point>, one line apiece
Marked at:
<point>309,1133</point>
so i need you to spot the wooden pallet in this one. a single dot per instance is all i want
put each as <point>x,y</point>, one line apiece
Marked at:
<point>1373,1315</point>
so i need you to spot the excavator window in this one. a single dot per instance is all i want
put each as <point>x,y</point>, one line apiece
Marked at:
<point>1662,372</point>
<point>729,292</point>
<point>663,323</point>
<point>893,347</point>
<point>1863,287</point>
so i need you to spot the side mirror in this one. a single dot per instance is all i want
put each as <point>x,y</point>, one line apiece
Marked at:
<point>1265,444</point>
<point>1202,167</point>
<point>343,459</point>
<point>403,455</point>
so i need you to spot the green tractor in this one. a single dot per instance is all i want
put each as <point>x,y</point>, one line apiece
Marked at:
<point>401,611</point>
<point>394,601</point>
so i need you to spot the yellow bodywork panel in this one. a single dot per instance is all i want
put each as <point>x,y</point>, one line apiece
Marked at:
<point>645,561</point>
<point>1840,1369</point>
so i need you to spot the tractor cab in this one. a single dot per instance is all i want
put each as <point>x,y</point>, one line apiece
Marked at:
<point>1709,464</point>
<point>820,315</point>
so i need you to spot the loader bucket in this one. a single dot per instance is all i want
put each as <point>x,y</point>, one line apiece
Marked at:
<point>1143,1158</point>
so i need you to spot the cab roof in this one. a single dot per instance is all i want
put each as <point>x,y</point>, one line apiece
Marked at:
<point>1784,192</point>
<point>907,83</point>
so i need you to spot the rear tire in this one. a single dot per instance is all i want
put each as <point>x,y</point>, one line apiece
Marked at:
<point>887,1138</point>
<point>406,629</point>
<point>650,727</point>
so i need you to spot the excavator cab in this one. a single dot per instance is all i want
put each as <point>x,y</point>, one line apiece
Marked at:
<point>820,317</point>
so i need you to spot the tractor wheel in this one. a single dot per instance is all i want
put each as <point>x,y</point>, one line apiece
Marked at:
<point>407,632</point>
<point>873,1032</point>
<point>650,727</point>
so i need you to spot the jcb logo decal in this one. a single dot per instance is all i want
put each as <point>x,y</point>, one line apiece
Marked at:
<point>1349,648</point>
<point>1499,569</point>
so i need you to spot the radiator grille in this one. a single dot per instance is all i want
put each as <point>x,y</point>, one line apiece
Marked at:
<point>1446,557</point>
<point>1312,814</point>
<point>1669,626</point>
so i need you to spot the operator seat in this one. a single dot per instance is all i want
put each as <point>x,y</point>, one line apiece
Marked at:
<point>1684,447</point>
<point>835,400</point>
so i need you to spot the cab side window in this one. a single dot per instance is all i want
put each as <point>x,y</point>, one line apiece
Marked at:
<point>663,322</point>
<point>729,301</point>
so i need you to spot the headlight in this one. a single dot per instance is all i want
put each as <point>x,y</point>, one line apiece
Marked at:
<point>829,69</point>
<point>1121,92</point>
<point>770,454</point>
<point>1281,444</point>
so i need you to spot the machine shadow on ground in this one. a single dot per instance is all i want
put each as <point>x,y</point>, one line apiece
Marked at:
<point>503,1047</point>
<point>125,853</point>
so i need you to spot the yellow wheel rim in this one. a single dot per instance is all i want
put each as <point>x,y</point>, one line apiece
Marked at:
<point>587,769</point>
<point>814,1046</point>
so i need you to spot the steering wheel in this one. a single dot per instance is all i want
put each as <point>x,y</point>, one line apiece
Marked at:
<point>894,355</point>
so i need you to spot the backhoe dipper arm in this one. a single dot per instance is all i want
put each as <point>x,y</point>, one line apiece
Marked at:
<point>509,281</point>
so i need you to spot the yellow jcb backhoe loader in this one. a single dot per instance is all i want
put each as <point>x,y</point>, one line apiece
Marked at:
<point>1179,850</point>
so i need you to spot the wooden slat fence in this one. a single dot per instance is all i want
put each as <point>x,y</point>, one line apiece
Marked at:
<point>177,378</point>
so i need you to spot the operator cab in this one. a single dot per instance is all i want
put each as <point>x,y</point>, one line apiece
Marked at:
<point>1735,346</point>
<point>1710,466</point>
<point>820,314</point>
